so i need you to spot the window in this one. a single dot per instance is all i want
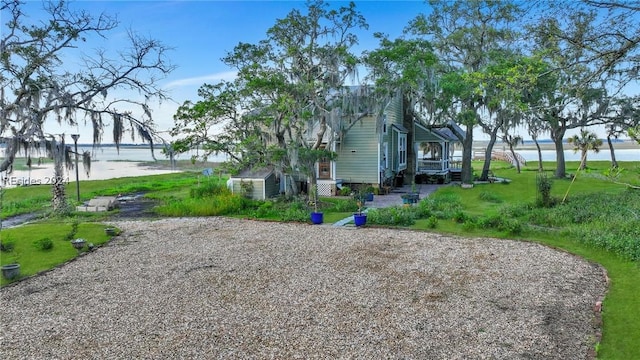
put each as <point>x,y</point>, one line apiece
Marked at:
<point>384,124</point>
<point>402,151</point>
<point>324,166</point>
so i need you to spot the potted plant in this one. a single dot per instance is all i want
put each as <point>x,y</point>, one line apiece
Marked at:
<point>359,218</point>
<point>78,244</point>
<point>413,196</point>
<point>11,271</point>
<point>317,217</point>
<point>369,193</point>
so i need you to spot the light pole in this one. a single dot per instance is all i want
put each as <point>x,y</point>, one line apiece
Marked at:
<point>75,142</point>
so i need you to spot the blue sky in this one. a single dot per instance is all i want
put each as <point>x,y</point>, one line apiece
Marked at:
<point>202,32</point>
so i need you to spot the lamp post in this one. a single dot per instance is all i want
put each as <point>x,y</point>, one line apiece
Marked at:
<point>75,142</point>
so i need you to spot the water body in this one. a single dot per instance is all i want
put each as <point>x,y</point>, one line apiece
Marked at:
<point>108,163</point>
<point>570,155</point>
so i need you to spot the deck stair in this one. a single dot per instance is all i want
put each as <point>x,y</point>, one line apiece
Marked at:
<point>501,155</point>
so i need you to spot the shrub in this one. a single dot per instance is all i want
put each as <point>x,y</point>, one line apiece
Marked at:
<point>423,209</point>
<point>296,211</point>
<point>74,229</point>
<point>210,206</point>
<point>489,222</point>
<point>345,191</point>
<point>469,225</point>
<point>394,216</point>
<point>341,205</point>
<point>515,210</point>
<point>43,244</point>
<point>432,222</point>
<point>543,187</point>
<point>511,226</point>
<point>208,189</point>
<point>444,205</point>
<point>459,216</point>
<point>7,246</point>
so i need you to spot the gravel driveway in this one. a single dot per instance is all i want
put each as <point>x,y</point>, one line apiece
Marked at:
<point>209,288</point>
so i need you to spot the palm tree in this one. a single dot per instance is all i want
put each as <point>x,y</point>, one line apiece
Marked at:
<point>585,142</point>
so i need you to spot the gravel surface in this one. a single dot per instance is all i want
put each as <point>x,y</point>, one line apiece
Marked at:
<point>208,288</point>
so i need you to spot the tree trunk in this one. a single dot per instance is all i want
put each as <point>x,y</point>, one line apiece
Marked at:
<point>614,162</point>
<point>557,136</point>
<point>583,159</point>
<point>58,199</point>
<point>515,158</point>
<point>487,155</point>
<point>467,149</point>
<point>539,154</point>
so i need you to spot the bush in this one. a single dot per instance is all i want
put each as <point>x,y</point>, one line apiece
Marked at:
<point>443,205</point>
<point>459,216</point>
<point>43,244</point>
<point>423,210</point>
<point>209,206</point>
<point>345,191</point>
<point>543,186</point>
<point>7,246</point>
<point>208,189</point>
<point>296,211</point>
<point>393,216</point>
<point>469,225</point>
<point>340,205</point>
<point>432,222</point>
<point>511,226</point>
<point>490,222</point>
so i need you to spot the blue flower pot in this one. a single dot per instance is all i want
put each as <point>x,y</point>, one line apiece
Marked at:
<point>369,197</point>
<point>317,218</point>
<point>360,219</point>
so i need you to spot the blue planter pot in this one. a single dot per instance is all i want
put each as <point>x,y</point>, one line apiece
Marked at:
<point>360,219</point>
<point>317,218</point>
<point>369,197</point>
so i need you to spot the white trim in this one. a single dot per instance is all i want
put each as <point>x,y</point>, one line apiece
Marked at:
<point>402,151</point>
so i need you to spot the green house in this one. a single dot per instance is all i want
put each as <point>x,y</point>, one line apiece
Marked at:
<point>387,150</point>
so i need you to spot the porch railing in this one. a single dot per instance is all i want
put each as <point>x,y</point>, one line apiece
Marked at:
<point>432,165</point>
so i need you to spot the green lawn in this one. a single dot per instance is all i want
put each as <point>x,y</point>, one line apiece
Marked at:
<point>32,258</point>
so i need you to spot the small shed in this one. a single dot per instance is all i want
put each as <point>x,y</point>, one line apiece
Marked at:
<point>257,184</point>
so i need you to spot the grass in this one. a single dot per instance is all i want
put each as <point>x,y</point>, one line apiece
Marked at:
<point>28,199</point>
<point>600,207</point>
<point>32,259</point>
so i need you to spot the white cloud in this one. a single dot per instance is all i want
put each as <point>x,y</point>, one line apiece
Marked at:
<point>199,80</point>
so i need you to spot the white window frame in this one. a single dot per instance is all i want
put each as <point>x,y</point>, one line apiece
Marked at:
<point>402,151</point>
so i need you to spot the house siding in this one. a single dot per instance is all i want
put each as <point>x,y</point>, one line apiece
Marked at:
<point>394,117</point>
<point>394,111</point>
<point>358,154</point>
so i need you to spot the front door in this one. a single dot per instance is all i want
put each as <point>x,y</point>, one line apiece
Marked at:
<point>324,168</point>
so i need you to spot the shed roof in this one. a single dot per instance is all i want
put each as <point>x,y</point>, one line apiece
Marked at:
<point>254,173</point>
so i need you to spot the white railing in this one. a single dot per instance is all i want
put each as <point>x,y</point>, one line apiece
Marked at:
<point>432,165</point>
